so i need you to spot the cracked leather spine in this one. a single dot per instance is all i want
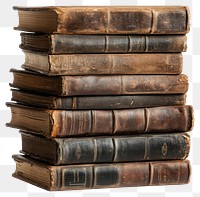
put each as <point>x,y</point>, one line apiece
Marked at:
<point>146,147</point>
<point>108,20</point>
<point>97,102</point>
<point>88,176</point>
<point>65,123</point>
<point>103,64</point>
<point>67,44</point>
<point>130,121</point>
<point>98,85</point>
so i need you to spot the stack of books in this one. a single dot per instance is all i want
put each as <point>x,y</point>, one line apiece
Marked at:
<point>101,101</point>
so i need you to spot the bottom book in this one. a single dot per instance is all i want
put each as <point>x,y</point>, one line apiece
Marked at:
<point>108,175</point>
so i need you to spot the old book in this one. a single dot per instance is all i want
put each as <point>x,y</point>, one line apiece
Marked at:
<point>146,147</point>
<point>98,84</point>
<point>105,20</point>
<point>62,44</point>
<point>93,176</point>
<point>97,102</point>
<point>63,123</point>
<point>99,64</point>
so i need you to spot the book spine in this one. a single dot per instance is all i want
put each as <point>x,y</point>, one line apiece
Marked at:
<point>124,21</point>
<point>98,85</point>
<point>120,175</point>
<point>97,102</point>
<point>97,64</point>
<point>115,43</point>
<point>60,44</point>
<point>123,149</point>
<point>124,85</point>
<point>106,149</point>
<point>104,122</point>
<point>117,102</point>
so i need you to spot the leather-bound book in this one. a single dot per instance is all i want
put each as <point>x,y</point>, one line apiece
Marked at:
<point>66,44</point>
<point>92,176</point>
<point>97,102</point>
<point>146,147</point>
<point>63,123</point>
<point>103,64</point>
<point>105,20</point>
<point>99,84</point>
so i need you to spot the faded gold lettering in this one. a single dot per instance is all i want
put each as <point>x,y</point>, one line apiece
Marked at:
<point>78,152</point>
<point>164,149</point>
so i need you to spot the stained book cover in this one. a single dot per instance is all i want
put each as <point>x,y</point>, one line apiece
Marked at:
<point>103,64</point>
<point>105,20</point>
<point>97,102</point>
<point>63,123</point>
<point>93,176</point>
<point>98,85</point>
<point>113,149</point>
<point>72,44</point>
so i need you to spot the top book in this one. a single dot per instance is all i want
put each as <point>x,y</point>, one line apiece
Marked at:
<point>105,20</point>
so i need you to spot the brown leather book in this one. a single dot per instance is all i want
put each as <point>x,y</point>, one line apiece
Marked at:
<point>63,123</point>
<point>97,102</point>
<point>82,150</point>
<point>99,64</point>
<point>105,20</point>
<point>66,44</point>
<point>100,84</point>
<point>93,176</point>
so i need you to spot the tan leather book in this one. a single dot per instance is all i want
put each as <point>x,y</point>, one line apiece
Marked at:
<point>72,44</point>
<point>99,84</point>
<point>105,20</point>
<point>104,64</point>
<point>63,123</point>
<point>93,176</point>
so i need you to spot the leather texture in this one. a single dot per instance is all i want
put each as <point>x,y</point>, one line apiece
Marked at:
<point>60,151</point>
<point>70,177</point>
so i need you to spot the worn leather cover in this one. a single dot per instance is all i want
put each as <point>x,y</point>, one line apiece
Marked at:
<point>97,102</point>
<point>66,44</point>
<point>104,64</point>
<point>60,151</point>
<point>98,85</point>
<point>63,123</point>
<point>112,20</point>
<point>70,177</point>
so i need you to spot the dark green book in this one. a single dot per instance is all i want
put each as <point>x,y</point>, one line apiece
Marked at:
<point>59,151</point>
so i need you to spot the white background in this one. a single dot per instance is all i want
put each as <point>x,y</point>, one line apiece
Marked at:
<point>10,142</point>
